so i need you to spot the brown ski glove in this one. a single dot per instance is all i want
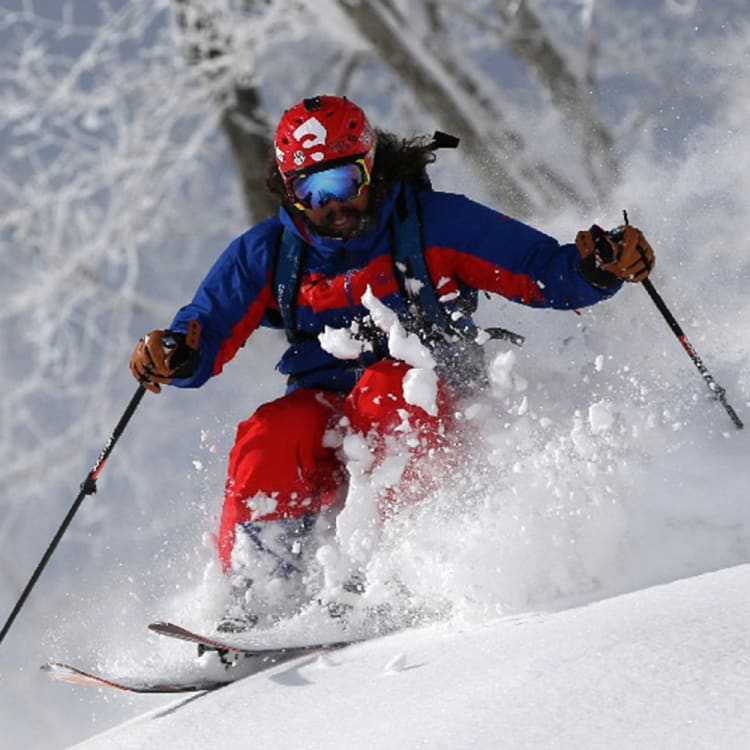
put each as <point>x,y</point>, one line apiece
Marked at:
<point>624,254</point>
<point>161,356</point>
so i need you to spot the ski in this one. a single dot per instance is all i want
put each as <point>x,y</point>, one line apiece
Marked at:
<point>257,644</point>
<point>238,656</point>
<point>193,678</point>
<point>73,675</point>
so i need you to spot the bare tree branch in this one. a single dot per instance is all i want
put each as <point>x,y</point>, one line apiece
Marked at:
<point>457,99</point>
<point>435,88</point>
<point>241,112</point>
<point>528,40</point>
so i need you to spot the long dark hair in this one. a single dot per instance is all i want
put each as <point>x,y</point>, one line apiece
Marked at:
<point>396,160</point>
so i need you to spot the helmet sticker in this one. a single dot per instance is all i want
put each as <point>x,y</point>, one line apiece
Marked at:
<point>310,134</point>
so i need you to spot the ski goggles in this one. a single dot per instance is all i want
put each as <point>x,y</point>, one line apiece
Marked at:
<point>342,183</point>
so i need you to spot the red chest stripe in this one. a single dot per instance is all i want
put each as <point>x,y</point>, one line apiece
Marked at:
<point>447,268</point>
<point>447,264</point>
<point>322,292</point>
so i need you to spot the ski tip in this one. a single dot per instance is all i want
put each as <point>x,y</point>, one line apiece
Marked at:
<point>131,684</point>
<point>158,625</point>
<point>164,627</point>
<point>65,673</point>
<point>55,667</point>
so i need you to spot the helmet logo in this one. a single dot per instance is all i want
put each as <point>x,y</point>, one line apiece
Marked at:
<point>310,134</point>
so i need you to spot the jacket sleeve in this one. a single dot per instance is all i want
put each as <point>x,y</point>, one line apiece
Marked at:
<point>231,301</point>
<point>484,249</point>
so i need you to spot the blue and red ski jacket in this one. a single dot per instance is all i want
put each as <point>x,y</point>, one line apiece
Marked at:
<point>466,246</point>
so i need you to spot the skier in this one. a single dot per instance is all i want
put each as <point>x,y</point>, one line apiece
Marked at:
<point>357,217</point>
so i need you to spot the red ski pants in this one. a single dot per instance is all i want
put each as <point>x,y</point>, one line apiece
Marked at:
<point>282,465</point>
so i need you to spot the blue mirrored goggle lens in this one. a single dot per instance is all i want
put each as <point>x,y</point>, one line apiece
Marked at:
<point>339,184</point>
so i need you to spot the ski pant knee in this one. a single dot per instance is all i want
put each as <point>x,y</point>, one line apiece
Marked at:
<point>377,406</point>
<point>395,428</point>
<point>281,466</point>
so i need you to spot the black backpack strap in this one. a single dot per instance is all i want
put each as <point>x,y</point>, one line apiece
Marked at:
<point>427,310</point>
<point>290,252</point>
<point>410,262</point>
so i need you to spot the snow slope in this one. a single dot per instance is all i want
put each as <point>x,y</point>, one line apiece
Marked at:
<point>663,667</point>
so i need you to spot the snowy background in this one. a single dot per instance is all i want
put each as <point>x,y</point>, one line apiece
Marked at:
<point>596,466</point>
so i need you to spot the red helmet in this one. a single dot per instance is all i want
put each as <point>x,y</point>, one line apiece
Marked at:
<point>320,130</point>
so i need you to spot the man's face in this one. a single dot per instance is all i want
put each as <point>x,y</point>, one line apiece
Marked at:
<point>339,219</point>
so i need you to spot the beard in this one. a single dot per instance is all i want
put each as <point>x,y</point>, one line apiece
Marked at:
<point>358,222</point>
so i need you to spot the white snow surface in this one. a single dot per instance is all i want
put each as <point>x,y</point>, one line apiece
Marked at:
<point>664,667</point>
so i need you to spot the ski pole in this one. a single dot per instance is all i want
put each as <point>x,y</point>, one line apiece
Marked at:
<point>88,487</point>
<point>719,393</point>
<point>714,387</point>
